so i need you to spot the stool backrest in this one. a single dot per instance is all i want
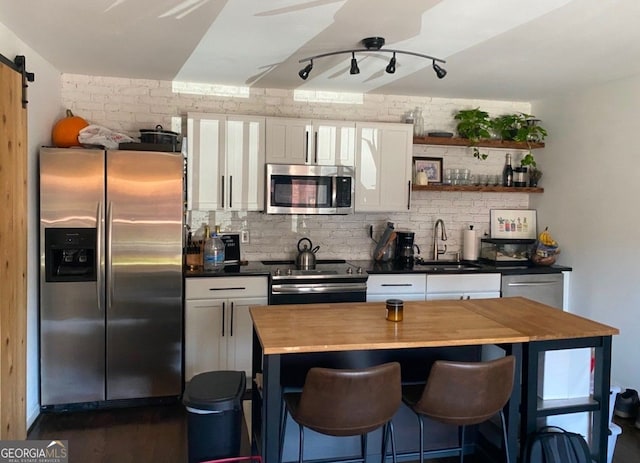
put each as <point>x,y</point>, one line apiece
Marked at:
<point>466,393</point>
<point>350,402</point>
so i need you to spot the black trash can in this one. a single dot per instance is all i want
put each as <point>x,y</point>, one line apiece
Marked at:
<point>214,405</point>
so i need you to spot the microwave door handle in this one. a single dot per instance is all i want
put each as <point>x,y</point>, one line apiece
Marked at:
<point>334,191</point>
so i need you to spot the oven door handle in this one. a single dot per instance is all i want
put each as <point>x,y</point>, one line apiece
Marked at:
<point>317,288</point>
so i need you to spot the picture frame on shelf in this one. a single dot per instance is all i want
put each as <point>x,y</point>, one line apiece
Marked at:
<point>431,166</point>
<point>513,223</point>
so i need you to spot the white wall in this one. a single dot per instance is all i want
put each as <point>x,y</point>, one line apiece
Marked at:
<point>44,107</point>
<point>591,184</point>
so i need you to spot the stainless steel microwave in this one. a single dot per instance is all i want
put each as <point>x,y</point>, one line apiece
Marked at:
<point>304,189</point>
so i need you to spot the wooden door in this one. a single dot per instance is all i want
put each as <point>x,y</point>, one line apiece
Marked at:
<point>13,254</point>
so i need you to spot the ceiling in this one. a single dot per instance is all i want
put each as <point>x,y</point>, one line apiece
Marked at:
<point>494,49</point>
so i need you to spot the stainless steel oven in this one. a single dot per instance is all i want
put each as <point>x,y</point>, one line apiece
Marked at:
<point>302,189</point>
<point>331,281</point>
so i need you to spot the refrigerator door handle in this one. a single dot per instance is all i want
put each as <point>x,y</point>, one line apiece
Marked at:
<point>109,264</point>
<point>98,263</point>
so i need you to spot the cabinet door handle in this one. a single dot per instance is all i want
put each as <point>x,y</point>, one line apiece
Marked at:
<point>223,308</point>
<point>229,288</point>
<point>306,148</point>
<point>461,298</point>
<point>231,324</point>
<point>315,146</point>
<point>230,191</point>
<point>396,284</point>
<point>222,191</point>
<point>409,196</point>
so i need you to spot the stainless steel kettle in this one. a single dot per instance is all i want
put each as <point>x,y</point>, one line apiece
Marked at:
<point>306,259</point>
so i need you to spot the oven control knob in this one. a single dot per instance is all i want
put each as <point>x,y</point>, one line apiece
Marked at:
<point>349,270</point>
<point>288,271</point>
<point>277,272</point>
<point>360,270</point>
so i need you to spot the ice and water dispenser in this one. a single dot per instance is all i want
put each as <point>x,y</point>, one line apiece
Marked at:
<point>70,254</point>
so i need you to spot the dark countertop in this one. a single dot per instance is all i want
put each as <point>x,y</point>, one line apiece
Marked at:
<point>373,267</point>
<point>254,268</point>
<point>257,268</point>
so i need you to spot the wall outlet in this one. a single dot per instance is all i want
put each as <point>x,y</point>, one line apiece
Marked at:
<point>244,236</point>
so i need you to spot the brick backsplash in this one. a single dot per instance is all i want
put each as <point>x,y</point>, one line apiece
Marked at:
<point>128,105</point>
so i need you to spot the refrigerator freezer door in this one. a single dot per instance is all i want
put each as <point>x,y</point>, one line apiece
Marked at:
<point>144,274</point>
<point>72,317</point>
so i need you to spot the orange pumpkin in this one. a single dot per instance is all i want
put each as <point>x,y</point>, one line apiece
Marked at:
<point>65,131</point>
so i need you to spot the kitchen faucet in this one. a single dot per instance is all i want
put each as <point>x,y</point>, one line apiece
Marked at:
<point>443,236</point>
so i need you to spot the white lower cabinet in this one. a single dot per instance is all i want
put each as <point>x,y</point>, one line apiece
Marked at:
<point>408,287</point>
<point>464,286</point>
<point>218,327</point>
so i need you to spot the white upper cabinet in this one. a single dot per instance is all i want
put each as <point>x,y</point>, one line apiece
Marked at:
<point>383,167</point>
<point>316,142</point>
<point>225,162</point>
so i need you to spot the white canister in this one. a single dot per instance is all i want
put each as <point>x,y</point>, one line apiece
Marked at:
<point>421,178</point>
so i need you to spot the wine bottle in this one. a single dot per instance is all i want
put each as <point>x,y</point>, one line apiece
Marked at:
<point>507,172</point>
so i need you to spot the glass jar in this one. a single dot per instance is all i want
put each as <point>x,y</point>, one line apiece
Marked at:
<point>395,307</point>
<point>520,177</point>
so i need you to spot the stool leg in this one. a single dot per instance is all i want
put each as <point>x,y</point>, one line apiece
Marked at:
<point>421,438</point>
<point>393,442</point>
<point>504,435</point>
<point>300,455</point>
<point>363,447</point>
<point>385,437</point>
<point>462,428</point>
<point>283,428</point>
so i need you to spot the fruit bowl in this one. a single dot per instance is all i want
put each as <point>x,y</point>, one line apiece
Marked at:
<point>539,260</point>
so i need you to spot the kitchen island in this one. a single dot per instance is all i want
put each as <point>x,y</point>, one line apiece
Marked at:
<point>289,339</point>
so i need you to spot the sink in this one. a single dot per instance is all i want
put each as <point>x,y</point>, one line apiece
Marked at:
<point>446,266</point>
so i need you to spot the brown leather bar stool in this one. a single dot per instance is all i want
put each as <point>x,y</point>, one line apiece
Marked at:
<point>464,394</point>
<point>346,403</point>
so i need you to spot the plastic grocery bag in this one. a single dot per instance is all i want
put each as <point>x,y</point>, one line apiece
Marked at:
<point>102,136</point>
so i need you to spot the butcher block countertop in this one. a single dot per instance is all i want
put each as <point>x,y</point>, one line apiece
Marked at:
<point>286,329</point>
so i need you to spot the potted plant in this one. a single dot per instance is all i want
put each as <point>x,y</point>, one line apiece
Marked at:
<point>474,125</point>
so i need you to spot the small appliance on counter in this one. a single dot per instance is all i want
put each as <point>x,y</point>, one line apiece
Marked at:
<point>405,256</point>
<point>499,251</point>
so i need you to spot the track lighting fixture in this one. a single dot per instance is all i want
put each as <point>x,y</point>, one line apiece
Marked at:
<point>372,45</point>
<point>354,65</point>
<point>391,67</point>
<point>304,73</point>
<point>439,71</point>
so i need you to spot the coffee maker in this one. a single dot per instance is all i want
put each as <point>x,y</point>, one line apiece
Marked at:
<point>404,249</point>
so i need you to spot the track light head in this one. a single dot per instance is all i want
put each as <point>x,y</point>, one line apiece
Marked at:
<point>391,67</point>
<point>354,65</point>
<point>304,73</point>
<point>439,71</point>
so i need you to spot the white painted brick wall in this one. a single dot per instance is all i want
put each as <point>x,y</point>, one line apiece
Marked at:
<point>128,105</point>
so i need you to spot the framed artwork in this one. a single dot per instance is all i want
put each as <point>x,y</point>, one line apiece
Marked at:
<point>513,223</point>
<point>431,166</point>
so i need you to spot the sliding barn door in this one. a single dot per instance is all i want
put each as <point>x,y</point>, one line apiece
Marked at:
<point>13,255</point>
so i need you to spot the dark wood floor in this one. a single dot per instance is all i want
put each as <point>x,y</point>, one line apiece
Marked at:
<point>158,434</point>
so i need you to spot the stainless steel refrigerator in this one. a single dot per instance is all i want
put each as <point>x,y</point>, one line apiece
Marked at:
<point>110,275</point>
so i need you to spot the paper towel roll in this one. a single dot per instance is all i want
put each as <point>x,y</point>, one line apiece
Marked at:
<point>470,248</point>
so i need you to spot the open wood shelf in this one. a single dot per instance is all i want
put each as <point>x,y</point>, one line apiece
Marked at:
<point>455,141</point>
<point>480,188</point>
